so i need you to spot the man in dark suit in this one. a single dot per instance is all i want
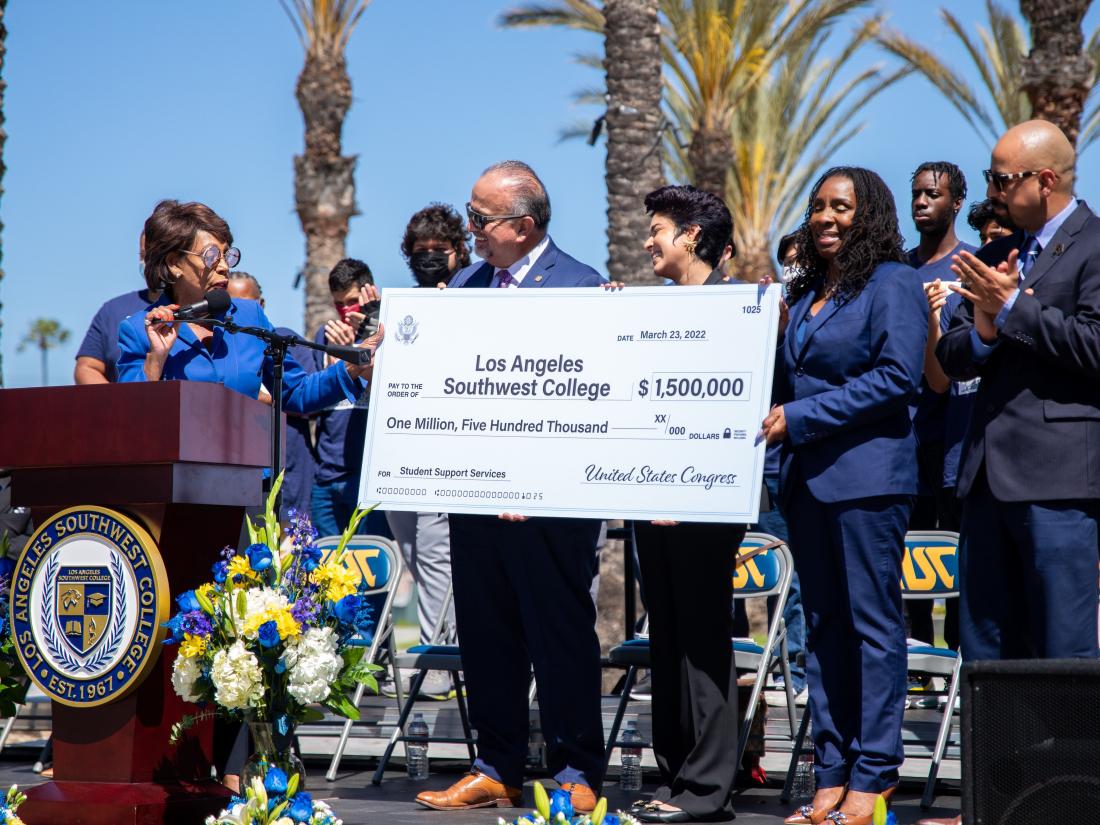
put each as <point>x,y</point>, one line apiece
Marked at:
<point>521,586</point>
<point>1030,472</point>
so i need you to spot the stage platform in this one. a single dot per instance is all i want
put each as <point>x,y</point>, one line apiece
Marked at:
<point>358,802</point>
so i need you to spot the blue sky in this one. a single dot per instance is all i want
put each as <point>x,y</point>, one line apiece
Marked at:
<point>113,106</point>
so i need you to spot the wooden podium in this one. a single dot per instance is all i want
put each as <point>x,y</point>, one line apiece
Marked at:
<point>183,459</point>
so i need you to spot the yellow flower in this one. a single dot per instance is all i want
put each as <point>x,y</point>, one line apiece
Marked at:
<point>336,580</point>
<point>238,566</point>
<point>284,622</point>
<point>192,645</point>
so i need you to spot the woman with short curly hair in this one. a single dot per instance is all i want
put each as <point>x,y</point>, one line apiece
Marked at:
<point>850,361</point>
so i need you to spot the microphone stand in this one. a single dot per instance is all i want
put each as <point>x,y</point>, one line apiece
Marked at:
<point>277,346</point>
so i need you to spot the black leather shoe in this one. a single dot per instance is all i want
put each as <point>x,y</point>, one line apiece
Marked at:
<point>648,815</point>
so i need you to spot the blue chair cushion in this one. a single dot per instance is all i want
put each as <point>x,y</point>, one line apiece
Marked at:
<point>431,657</point>
<point>747,647</point>
<point>928,650</point>
<point>632,652</point>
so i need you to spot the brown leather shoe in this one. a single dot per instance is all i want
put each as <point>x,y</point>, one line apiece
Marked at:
<point>582,797</point>
<point>948,821</point>
<point>474,790</point>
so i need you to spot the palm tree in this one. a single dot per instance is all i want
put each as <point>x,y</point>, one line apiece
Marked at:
<point>45,333</point>
<point>998,53</point>
<point>324,182</point>
<point>1058,73</point>
<point>784,134</point>
<point>3,138</point>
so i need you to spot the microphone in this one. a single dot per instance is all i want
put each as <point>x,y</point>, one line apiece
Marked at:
<point>214,302</point>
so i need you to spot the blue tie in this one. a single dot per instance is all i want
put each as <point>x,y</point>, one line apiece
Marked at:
<point>1028,255</point>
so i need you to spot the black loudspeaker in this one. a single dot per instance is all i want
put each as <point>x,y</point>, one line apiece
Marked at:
<point>1031,742</point>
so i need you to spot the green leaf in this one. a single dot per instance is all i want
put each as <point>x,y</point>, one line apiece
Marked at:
<point>310,715</point>
<point>204,602</point>
<point>277,811</point>
<point>599,811</point>
<point>338,703</point>
<point>291,786</point>
<point>242,604</point>
<point>349,532</point>
<point>271,518</point>
<point>542,801</point>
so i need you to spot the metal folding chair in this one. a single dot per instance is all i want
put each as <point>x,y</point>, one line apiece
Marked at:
<point>379,563</point>
<point>438,655</point>
<point>929,570</point>
<point>765,570</point>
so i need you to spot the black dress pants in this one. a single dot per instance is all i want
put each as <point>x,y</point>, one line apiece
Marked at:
<point>688,575</point>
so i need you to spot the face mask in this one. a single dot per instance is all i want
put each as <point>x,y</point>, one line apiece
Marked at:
<point>346,310</point>
<point>429,267</point>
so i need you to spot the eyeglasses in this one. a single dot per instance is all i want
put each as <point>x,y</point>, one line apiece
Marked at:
<point>211,255</point>
<point>479,221</point>
<point>1002,179</point>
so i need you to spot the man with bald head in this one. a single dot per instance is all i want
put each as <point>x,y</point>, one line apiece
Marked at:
<point>521,586</point>
<point>1029,476</point>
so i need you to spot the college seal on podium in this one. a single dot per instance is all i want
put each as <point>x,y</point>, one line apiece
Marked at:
<point>89,598</point>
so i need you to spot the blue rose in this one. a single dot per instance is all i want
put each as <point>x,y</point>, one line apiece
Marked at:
<point>175,629</point>
<point>891,818</point>
<point>259,556</point>
<point>268,634</point>
<point>300,808</point>
<point>610,819</point>
<point>561,802</point>
<point>188,602</point>
<point>310,558</point>
<point>275,779</point>
<point>7,566</point>
<point>347,609</point>
<point>221,571</point>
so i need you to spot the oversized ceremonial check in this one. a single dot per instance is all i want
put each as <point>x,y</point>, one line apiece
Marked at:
<point>643,402</point>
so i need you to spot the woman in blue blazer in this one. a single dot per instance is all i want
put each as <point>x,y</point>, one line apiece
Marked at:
<point>851,358</point>
<point>188,252</point>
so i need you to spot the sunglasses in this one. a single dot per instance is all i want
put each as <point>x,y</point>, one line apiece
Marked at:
<point>479,221</point>
<point>211,255</point>
<point>1001,179</point>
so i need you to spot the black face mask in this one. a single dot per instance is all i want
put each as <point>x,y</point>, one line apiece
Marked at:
<point>429,267</point>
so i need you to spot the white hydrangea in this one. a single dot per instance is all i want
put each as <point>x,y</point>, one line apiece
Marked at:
<point>313,665</point>
<point>258,601</point>
<point>238,682</point>
<point>185,676</point>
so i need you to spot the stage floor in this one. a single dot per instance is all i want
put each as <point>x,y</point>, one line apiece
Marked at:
<point>358,802</point>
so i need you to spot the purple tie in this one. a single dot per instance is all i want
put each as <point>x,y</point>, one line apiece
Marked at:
<point>504,278</point>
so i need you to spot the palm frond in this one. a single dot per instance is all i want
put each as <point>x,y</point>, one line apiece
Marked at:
<point>573,14</point>
<point>324,26</point>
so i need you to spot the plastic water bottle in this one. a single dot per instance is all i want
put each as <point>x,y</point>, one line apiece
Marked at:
<point>803,786</point>
<point>536,746</point>
<point>416,748</point>
<point>630,778</point>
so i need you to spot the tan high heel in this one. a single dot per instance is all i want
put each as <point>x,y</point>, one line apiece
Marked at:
<point>840,818</point>
<point>810,815</point>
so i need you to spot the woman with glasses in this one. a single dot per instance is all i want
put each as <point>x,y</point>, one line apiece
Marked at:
<point>850,360</point>
<point>188,253</point>
<point>687,572</point>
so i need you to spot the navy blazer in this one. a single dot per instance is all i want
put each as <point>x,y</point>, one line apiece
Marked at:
<point>237,361</point>
<point>845,391</point>
<point>1036,418</point>
<point>553,268</point>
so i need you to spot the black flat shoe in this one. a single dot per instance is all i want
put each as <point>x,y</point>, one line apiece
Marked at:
<point>648,815</point>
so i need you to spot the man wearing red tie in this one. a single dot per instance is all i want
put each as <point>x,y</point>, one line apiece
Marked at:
<point>521,586</point>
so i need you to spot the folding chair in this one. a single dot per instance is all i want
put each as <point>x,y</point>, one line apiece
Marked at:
<point>379,563</point>
<point>929,570</point>
<point>765,570</point>
<point>438,655</point>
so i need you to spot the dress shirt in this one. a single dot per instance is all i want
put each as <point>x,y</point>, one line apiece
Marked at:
<point>520,268</point>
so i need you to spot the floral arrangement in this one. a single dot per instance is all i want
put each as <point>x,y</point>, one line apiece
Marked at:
<point>268,637</point>
<point>557,807</point>
<point>13,681</point>
<point>275,800</point>
<point>10,804</point>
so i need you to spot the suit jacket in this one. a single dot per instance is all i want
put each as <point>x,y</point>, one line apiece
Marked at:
<point>845,391</point>
<point>553,268</point>
<point>1036,418</point>
<point>237,361</point>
